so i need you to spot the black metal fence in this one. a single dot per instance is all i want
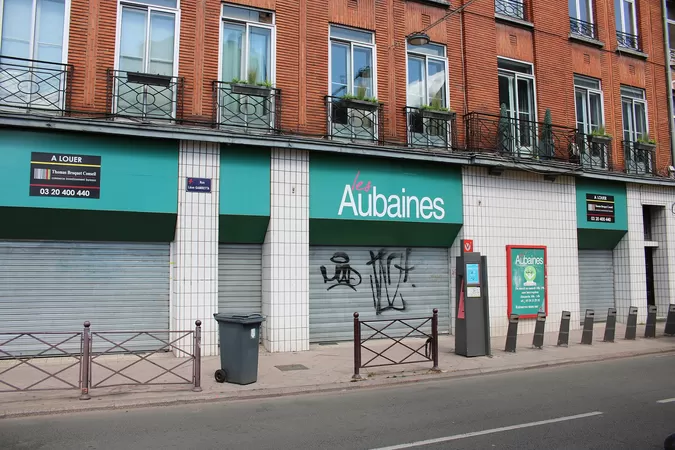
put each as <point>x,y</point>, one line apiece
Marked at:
<point>91,366</point>
<point>592,152</point>
<point>256,108</point>
<point>519,138</point>
<point>379,329</point>
<point>143,96</point>
<point>582,28</point>
<point>639,159</point>
<point>355,120</point>
<point>628,40</point>
<point>511,8</point>
<point>429,128</point>
<point>29,85</point>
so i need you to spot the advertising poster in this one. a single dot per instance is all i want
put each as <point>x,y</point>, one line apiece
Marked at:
<point>526,284</point>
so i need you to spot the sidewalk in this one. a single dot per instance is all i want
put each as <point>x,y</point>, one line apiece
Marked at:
<point>322,369</point>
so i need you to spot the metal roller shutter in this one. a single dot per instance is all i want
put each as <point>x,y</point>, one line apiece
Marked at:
<point>333,300</point>
<point>56,286</point>
<point>240,279</point>
<point>596,282</point>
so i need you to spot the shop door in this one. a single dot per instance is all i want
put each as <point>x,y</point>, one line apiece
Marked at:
<point>240,279</point>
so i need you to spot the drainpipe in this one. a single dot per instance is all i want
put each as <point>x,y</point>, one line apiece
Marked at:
<point>669,77</point>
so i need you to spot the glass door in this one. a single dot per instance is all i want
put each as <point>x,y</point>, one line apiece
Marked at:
<point>517,93</point>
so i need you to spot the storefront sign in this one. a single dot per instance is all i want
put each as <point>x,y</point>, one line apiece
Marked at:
<point>198,185</point>
<point>600,208</point>
<point>526,272</point>
<point>64,175</point>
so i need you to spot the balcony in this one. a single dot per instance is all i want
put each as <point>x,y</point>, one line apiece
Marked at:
<point>592,152</point>
<point>672,56</point>
<point>582,28</point>
<point>627,40</point>
<point>251,107</point>
<point>34,86</point>
<point>639,158</point>
<point>353,119</point>
<point>146,97</point>
<point>431,128</point>
<point>519,138</point>
<point>510,8</point>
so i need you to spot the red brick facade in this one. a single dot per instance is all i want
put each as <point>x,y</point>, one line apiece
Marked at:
<point>302,58</point>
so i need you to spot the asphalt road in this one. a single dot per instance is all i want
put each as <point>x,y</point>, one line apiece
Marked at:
<point>604,405</point>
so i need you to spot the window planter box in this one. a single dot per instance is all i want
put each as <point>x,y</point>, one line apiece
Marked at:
<point>440,115</point>
<point>597,139</point>
<point>149,79</point>
<point>644,146</point>
<point>358,104</point>
<point>251,89</point>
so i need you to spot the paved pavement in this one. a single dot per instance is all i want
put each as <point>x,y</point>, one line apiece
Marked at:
<point>323,368</point>
<point>607,405</point>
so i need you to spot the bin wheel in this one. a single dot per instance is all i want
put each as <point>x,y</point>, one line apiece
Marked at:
<point>221,376</point>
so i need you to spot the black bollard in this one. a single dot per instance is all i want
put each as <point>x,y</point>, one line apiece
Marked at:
<point>539,326</point>
<point>631,323</point>
<point>610,326</point>
<point>564,334</point>
<point>670,321</point>
<point>587,334</point>
<point>650,329</point>
<point>512,334</point>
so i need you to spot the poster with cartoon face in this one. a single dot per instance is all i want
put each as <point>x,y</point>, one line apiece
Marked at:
<point>527,280</point>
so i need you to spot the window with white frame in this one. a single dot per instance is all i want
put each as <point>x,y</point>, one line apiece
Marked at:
<point>588,103</point>
<point>147,50</point>
<point>625,14</point>
<point>635,130</point>
<point>581,18</point>
<point>517,94</point>
<point>352,68</point>
<point>33,35</point>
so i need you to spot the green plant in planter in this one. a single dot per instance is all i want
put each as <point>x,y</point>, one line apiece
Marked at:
<point>252,76</point>
<point>435,105</point>
<point>266,83</point>
<point>646,139</point>
<point>504,129</point>
<point>601,132</point>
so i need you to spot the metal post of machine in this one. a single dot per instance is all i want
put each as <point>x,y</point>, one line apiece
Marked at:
<point>472,324</point>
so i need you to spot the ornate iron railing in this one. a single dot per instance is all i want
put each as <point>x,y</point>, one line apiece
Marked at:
<point>639,158</point>
<point>519,138</point>
<point>510,8</point>
<point>672,56</point>
<point>592,152</point>
<point>31,85</point>
<point>628,40</point>
<point>428,128</point>
<point>144,96</point>
<point>380,329</point>
<point>247,106</point>
<point>356,120</point>
<point>582,28</point>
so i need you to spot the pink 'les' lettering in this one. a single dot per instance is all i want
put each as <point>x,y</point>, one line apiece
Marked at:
<point>358,185</point>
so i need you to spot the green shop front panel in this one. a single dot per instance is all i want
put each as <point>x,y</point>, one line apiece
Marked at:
<point>87,187</point>
<point>602,213</point>
<point>372,201</point>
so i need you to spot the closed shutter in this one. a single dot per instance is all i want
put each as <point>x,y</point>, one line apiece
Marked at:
<point>56,286</point>
<point>351,285</point>
<point>596,282</point>
<point>240,279</point>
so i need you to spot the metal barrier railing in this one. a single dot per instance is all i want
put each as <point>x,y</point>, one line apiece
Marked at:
<point>21,350</point>
<point>430,345</point>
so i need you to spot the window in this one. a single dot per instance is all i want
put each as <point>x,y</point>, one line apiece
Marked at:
<point>247,45</point>
<point>581,18</point>
<point>626,24</point>
<point>352,68</point>
<point>147,50</point>
<point>635,129</point>
<point>510,8</point>
<point>588,102</point>
<point>32,45</point>
<point>516,93</point>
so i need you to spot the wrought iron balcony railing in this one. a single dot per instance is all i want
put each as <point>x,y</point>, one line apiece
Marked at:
<point>429,128</point>
<point>627,40</point>
<point>145,96</point>
<point>519,138</point>
<point>30,85</point>
<point>672,56</point>
<point>510,8</point>
<point>353,119</point>
<point>582,28</point>
<point>592,152</point>
<point>639,158</point>
<point>255,108</point>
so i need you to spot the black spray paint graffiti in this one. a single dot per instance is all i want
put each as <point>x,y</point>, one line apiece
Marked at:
<point>343,272</point>
<point>381,278</point>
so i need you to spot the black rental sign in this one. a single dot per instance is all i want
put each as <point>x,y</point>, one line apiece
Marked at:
<point>600,208</point>
<point>63,175</point>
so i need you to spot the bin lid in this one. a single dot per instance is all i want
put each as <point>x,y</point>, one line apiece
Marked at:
<point>239,318</point>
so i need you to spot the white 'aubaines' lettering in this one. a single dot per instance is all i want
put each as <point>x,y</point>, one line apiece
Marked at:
<point>372,204</point>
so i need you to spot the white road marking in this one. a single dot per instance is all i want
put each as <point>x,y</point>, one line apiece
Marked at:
<point>492,431</point>
<point>667,400</point>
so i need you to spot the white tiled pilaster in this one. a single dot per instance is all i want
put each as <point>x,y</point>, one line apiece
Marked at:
<point>286,254</point>
<point>194,252</point>
<point>523,208</point>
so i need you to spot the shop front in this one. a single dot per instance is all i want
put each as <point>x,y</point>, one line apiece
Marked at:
<point>86,231</point>
<point>602,222</point>
<point>379,234</point>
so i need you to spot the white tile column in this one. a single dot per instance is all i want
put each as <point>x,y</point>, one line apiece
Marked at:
<point>286,254</point>
<point>194,251</point>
